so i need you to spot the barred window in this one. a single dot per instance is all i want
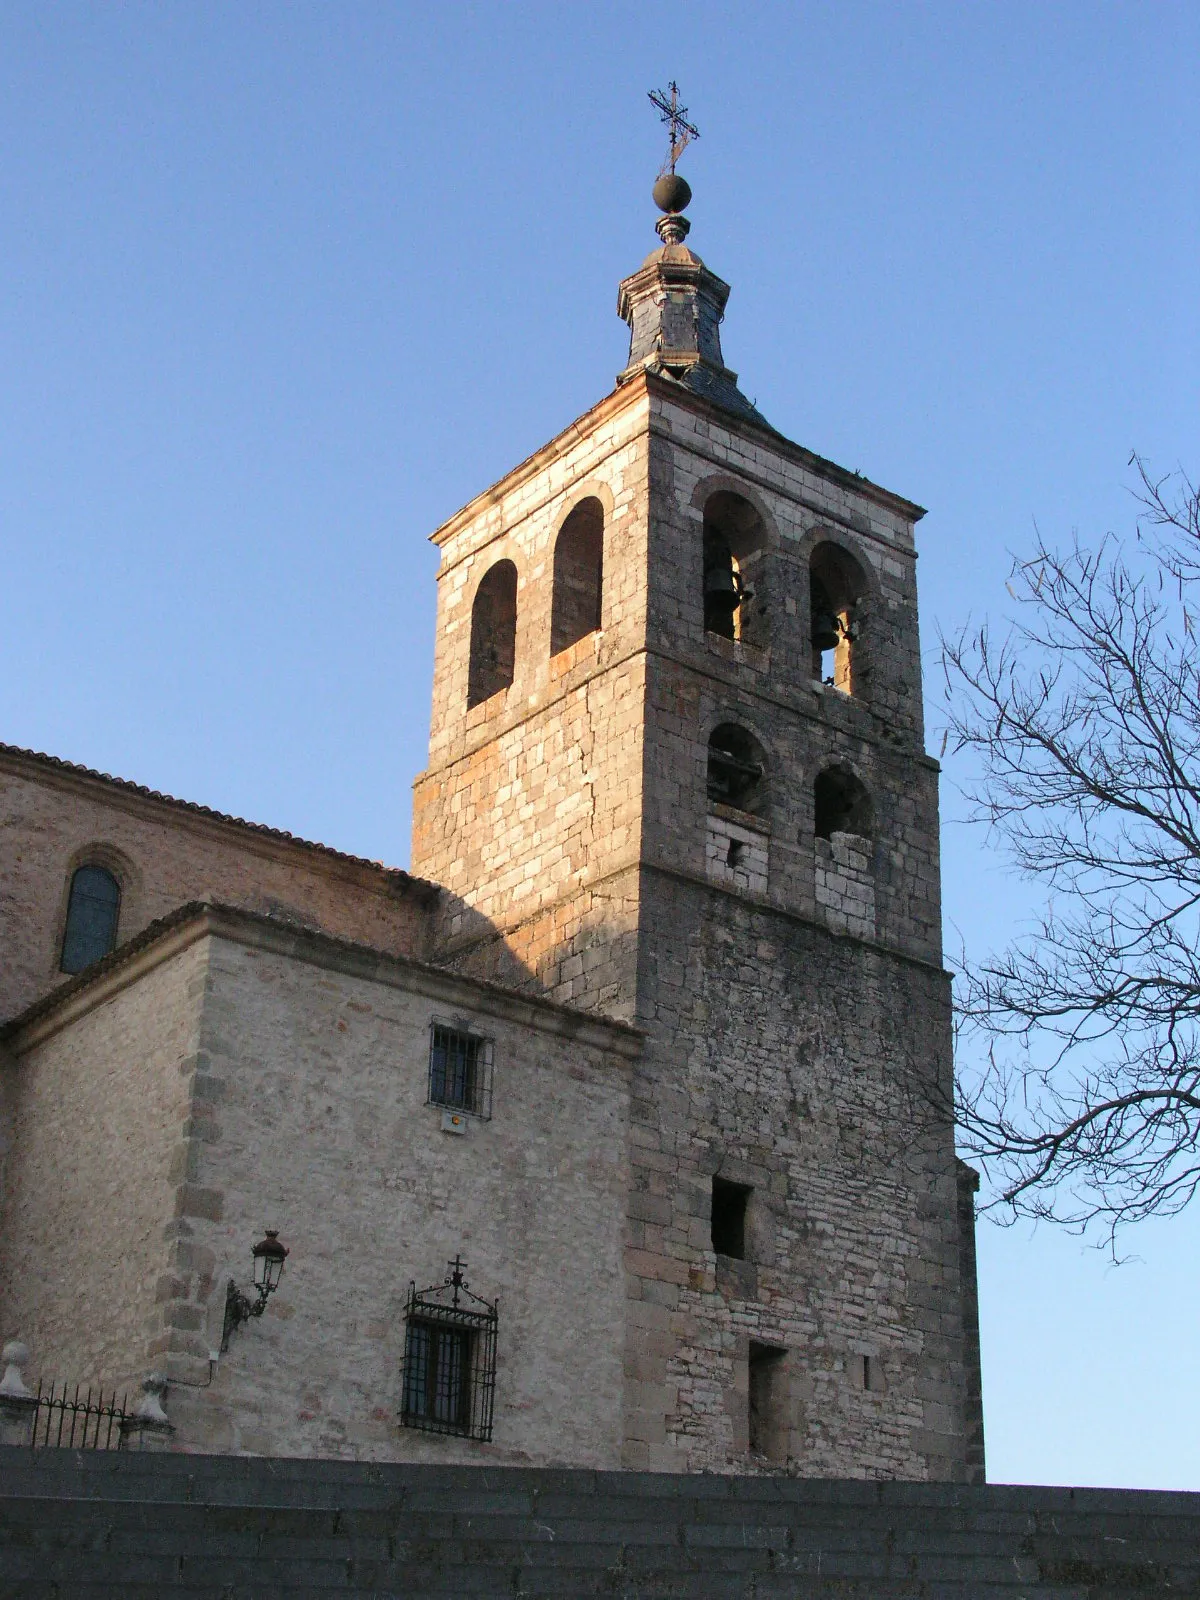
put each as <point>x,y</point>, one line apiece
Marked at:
<point>449,1359</point>
<point>460,1069</point>
<point>92,909</point>
<point>437,1367</point>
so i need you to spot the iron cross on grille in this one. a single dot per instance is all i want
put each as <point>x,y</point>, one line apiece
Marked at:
<point>675,116</point>
<point>456,1281</point>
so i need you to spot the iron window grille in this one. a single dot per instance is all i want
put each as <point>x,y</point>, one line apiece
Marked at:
<point>460,1069</point>
<point>449,1359</point>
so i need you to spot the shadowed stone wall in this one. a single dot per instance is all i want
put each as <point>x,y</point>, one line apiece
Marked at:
<point>99,1100</point>
<point>135,1525</point>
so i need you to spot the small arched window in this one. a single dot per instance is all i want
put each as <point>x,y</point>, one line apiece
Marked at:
<point>493,633</point>
<point>92,909</point>
<point>578,576</point>
<point>735,577</point>
<point>737,773</point>
<point>841,804</point>
<point>837,587</point>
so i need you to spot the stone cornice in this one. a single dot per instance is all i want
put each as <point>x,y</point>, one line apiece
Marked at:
<point>170,936</point>
<point>638,864</point>
<point>639,387</point>
<point>819,466</point>
<point>603,411</point>
<point>808,703</point>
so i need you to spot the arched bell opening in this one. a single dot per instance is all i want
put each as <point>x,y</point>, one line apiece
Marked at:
<point>844,877</point>
<point>578,576</point>
<point>837,591</point>
<point>841,804</point>
<point>493,633</point>
<point>735,574</point>
<point>737,770</point>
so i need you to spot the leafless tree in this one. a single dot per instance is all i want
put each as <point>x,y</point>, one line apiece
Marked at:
<point>1083,718</point>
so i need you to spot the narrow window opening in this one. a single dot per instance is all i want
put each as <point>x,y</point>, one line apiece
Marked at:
<point>93,906</point>
<point>578,576</point>
<point>735,577</point>
<point>493,634</point>
<point>768,1402</point>
<point>837,587</point>
<point>874,1379</point>
<point>729,1203</point>
<point>841,804</point>
<point>437,1367</point>
<point>449,1379</point>
<point>460,1069</point>
<point>736,851</point>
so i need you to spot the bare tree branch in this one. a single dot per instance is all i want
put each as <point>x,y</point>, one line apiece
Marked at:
<point>1083,717</point>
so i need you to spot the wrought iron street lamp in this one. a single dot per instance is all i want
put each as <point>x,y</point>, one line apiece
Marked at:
<point>269,1256</point>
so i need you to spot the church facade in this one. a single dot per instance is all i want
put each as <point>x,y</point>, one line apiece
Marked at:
<point>609,1135</point>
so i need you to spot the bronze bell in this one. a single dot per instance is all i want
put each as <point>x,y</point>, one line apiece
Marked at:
<point>827,630</point>
<point>722,585</point>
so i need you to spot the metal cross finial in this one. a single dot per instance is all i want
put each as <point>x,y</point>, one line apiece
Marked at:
<point>675,116</point>
<point>456,1281</point>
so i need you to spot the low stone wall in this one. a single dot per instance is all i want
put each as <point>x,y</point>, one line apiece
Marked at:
<point>122,1524</point>
<point>845,887</point>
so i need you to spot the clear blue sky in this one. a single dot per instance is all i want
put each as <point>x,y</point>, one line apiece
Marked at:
<point>283,285</point>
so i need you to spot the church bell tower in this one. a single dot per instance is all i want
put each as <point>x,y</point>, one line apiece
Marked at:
<point>676,775</point>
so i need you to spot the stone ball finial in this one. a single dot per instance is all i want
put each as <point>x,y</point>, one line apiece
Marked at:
<point>150,1408</point>
<point>15,1356</point>
<point>672,193</point>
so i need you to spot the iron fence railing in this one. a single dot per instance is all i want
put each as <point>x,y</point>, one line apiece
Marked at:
<point>73,1421</point>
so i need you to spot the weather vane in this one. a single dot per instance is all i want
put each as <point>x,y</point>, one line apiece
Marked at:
<point>675,116</point>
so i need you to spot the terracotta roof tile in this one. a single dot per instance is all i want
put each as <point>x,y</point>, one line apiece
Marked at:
<point>396,875</point>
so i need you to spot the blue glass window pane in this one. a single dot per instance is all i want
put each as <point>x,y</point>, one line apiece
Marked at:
<point>92,908</point>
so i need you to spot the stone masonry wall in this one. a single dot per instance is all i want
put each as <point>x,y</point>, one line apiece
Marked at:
<point>98,1106</point>
<point>845,884</point>
<point>326,1134</point>
<point>292,1093</point>
<point>783,1055</point>
<point>737,851</point>
<point>787,1061</point>
<point>164,856</point>
<point>529,811</point>
<point>700,680</point>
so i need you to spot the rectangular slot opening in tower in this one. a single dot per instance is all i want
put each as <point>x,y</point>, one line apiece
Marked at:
<point>768,1434</point>
<point>871,1372</point>
<point>729,1204</point>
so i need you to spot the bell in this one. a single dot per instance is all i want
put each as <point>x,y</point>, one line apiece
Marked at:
<point>721,592</point>
<point>722,588</point>
<point>827,630</point>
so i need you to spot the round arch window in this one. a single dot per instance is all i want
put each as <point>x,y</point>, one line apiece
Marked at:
<point>737,770</point>
<point>93,907</point>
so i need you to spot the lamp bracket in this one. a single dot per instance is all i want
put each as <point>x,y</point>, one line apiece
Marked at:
<point>239,1308</point>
